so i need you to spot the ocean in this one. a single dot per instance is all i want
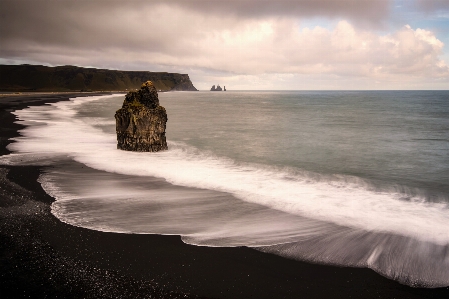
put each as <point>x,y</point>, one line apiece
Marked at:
<point>348,178</point>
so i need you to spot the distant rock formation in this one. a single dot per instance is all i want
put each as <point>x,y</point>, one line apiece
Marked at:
<point>141,122</point>
<point>218,88</point>
<point>73,78</point>
<point>224,88</point>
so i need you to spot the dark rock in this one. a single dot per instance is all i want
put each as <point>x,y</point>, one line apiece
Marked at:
<point>147,96</point>
<point>218,88</point>
<point>74,78</point>
<point>141,122</point>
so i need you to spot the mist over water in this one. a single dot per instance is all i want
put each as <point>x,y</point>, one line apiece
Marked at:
<point>348,178</point>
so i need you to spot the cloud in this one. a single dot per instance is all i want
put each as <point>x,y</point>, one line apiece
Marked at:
<point>433,5</point>
<point>366,10</point>
<point>203,40</point>
<point>71,22</point>
<point>283,48</point>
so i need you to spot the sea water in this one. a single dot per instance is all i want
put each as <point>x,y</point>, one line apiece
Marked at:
<point>352,178</point>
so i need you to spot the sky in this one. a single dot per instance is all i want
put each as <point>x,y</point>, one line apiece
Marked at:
<point>244,45</point>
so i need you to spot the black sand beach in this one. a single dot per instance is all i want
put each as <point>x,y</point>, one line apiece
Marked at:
<point>41,257</point>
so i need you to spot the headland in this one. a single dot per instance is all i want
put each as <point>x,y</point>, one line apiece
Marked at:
<point>68,78</point>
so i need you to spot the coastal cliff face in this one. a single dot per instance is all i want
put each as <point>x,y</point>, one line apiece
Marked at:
<point>73,78</point>
<point>141,122</point>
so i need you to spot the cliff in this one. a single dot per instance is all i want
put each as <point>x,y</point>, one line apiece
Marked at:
<point>72,78</point>
<point>141,122</point>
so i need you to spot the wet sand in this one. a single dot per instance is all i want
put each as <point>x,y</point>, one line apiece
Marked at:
<point>41,257</point>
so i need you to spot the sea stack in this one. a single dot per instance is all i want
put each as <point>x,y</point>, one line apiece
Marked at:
<point>218,88</point>
<point>141,122</point>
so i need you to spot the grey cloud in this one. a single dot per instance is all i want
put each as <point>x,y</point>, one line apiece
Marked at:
<point>127,24</point>
<point>433,5</point>
<point>366,10</point>
<point>95,25</point>
<point>70,24</point>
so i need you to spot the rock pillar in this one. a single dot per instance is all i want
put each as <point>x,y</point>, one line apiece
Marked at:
<point>141,122</point>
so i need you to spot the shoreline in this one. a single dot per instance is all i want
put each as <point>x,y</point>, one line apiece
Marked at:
<point>41,256</point>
